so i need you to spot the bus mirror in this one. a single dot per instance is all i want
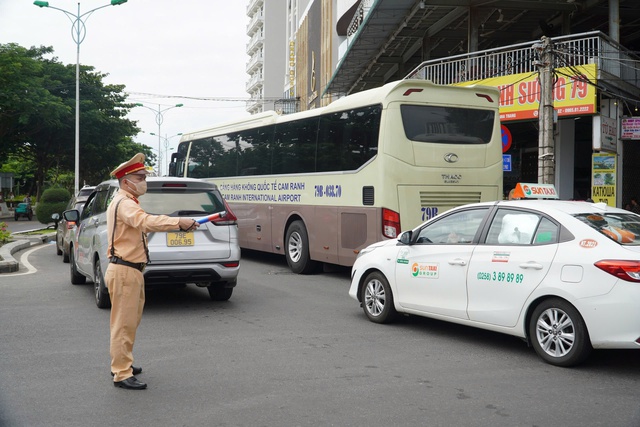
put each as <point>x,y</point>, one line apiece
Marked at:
<point>405,238</point>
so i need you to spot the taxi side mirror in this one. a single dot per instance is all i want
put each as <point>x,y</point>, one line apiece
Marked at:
<point>405,238</point>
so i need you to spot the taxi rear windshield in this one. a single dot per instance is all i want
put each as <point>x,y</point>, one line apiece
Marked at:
<point>447,125</point>
<point>623,228</point>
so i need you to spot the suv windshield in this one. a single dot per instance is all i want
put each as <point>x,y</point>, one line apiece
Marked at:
<point>181,202</point>
<point>624,228</point>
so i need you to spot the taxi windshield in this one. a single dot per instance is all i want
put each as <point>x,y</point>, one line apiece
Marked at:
<point>623,228</point>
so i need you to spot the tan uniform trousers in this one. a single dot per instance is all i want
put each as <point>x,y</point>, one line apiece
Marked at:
<point>126,290</point>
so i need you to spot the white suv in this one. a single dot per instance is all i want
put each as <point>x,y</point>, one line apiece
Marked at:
<point>207,257</point>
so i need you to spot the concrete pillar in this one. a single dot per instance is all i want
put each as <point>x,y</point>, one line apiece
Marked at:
<point>565,158</point>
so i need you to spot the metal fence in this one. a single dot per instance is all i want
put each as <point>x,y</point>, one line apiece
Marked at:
<point>577,49</point>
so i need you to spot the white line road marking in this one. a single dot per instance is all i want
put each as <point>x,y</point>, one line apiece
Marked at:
<point>25,262</point>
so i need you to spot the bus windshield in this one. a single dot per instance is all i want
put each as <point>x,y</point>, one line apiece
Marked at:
<point>450,125</point>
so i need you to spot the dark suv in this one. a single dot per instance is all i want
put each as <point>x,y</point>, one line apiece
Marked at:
<point>207,257</point>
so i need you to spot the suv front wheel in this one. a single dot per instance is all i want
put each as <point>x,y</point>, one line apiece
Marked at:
<point>99,288</point>
<point>76,278</point>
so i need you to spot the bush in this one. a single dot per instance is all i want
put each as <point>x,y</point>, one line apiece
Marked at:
<point>4,233</point>
<point>53,200</point>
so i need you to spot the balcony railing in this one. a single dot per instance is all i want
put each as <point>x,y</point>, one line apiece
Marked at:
<point>255,42</point>
<point>578,49</point>
<point>253,5</point>
<point>255,22</point>
<point>255,62</point>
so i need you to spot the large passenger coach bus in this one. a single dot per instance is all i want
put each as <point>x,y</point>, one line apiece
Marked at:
<point>320,185</point>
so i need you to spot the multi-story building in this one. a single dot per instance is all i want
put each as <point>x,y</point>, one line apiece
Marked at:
<point>267,48</point>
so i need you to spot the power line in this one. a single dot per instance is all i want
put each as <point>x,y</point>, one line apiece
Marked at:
<point>205,98</point>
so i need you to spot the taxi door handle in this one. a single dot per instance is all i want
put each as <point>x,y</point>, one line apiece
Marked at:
<point>531,265</point>
<point>457,261</point>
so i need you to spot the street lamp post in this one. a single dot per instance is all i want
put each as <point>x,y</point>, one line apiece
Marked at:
<point>159,120</point>
<point>78,32</point>
<point>166,147</point>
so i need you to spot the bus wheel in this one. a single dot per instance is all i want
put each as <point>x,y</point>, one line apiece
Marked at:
<point>297,249</point>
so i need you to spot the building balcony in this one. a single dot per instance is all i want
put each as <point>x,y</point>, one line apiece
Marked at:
<point>254,25</point>
<point>255,82</point>
<point>254,6</point>
<point>255,63</point>
<point>616,65</point>
<point>255,43</point>
<point>254,106</point>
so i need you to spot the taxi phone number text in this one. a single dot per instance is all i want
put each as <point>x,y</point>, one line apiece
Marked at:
<point>501,276</point>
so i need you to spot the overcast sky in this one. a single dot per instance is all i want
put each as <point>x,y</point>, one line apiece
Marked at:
<point>164,51</point>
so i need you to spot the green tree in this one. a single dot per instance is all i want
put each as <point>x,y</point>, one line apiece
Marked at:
<point>37,118</point>
<point>24,100</point>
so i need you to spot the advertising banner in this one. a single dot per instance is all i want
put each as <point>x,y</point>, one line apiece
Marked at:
<point>574,93</point>
<point>603,178</point>
<point>630,128</point>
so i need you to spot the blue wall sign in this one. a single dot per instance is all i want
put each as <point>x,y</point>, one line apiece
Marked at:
<point>506,163</point>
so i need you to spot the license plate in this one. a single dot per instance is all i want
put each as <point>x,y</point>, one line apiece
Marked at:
<point>180,239</point>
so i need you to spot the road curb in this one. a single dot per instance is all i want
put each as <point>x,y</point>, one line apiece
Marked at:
<point>8,263</point>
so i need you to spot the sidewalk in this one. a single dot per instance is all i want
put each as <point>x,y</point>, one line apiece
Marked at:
<point>8,264</point>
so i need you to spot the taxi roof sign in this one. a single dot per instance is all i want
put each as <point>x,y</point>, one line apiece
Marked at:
<point>535,191</point>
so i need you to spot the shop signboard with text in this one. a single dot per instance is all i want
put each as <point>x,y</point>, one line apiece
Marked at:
<point>574,92</point>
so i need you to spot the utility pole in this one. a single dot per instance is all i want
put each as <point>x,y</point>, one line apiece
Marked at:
<point>546,161</point>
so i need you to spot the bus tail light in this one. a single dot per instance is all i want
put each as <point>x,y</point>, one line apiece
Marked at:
<point>390,223</point>
<point>626,270</point>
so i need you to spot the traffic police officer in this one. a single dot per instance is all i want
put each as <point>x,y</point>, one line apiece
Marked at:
<point>127,225</point>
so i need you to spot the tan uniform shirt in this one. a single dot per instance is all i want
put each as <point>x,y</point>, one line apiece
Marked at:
<point>132,222</point>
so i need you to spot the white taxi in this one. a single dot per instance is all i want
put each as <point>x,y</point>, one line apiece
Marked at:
<point>564,275</point>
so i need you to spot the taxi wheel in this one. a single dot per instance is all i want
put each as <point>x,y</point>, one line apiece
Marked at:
<point>76,278</point>
<point>558,333</point>
<point>297,249</point>
<point>377,299</point>
<point>99,288</point>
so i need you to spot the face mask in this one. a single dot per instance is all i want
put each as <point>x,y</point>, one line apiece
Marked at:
<point>140,188</point>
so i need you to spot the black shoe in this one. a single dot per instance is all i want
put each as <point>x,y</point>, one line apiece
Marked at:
<point>136,371</point>
<point>131,383</point>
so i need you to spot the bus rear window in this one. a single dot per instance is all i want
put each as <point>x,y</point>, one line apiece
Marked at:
<point>447,125</point>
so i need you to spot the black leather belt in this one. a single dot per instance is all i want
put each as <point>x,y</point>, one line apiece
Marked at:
<point>137,265</point>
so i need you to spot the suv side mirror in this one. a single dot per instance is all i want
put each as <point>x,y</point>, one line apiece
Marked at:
<point>71,215</point>
<point>405,238</point>
<point>56,218</point>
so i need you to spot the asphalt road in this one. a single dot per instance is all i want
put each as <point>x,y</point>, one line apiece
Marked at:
<point>286,350</point>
